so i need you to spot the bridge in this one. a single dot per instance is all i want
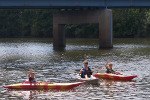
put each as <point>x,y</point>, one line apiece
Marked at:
<point>73,3</point>
<point>101,15</point>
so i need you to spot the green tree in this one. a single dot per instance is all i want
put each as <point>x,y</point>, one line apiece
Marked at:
<point>9,24</point>
<point>129,22</point>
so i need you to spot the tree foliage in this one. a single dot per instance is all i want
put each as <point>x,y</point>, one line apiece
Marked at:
<point>127,22</point>
<point>26,23</point>
<point>130,22</point>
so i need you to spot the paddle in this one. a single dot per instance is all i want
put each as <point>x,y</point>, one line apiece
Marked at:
<point>97,70</point>
<point>71,71</point>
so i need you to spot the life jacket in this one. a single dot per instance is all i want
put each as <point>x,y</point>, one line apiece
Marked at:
<point>83,73</point>
<point>110,70</point>
<point>32,80</point>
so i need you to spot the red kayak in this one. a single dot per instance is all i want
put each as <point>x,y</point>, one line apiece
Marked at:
<point>114,76</point>
<point>43,85</point>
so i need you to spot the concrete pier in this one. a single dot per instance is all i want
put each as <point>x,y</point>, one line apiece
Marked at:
<point>59,41</point>
<point>102,16</point>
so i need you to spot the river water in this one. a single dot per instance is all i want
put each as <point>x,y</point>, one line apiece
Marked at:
<point>129,56</point>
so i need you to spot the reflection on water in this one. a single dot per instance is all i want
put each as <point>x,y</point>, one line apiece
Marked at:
<point>41,94</point>
<point>129,56</point>
<point>107,89</point>
<point>117,90</point>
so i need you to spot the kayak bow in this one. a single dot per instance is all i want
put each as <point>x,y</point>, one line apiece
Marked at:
<point>43,85</point>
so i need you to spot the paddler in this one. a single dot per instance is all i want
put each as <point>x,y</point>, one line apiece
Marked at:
<point>109,68</point>
<point>31,77</point>
<point>85,70</point>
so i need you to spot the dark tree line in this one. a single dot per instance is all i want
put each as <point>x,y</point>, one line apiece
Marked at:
<point>26,23</point>
<point>39,23</point>
<point>131,22</point>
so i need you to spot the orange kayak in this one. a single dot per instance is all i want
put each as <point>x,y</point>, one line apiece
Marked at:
<point>114,76</point>
<point>43,85</point>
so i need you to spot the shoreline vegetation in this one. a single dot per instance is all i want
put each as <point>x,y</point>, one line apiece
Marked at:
<point>29,23</point>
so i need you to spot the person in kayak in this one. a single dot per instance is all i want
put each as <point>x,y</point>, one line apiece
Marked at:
<point>31,77</point>
<point>85,70</point>
<point>109,68</point>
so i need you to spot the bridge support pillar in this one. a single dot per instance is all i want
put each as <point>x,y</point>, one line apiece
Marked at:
<point>59,41</point>
<point>106,29</point>
<point>101,16</point>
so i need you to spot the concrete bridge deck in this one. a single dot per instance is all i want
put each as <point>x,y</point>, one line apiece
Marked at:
<point>73,3</point>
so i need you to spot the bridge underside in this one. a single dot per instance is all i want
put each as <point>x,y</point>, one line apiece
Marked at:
<point>73,3</point>
<point>102,16</point>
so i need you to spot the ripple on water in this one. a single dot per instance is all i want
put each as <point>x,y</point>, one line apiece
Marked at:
<point>50,66</point>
